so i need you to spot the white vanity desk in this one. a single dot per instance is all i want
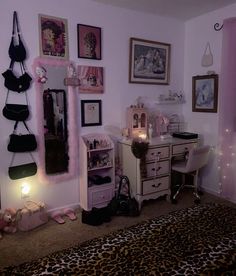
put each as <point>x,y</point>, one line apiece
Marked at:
<point>157,181</point>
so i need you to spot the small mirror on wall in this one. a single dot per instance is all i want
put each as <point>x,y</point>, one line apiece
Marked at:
<point>56,120</point>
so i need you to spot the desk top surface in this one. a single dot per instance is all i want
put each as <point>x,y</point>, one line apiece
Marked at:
<point>159,141</point>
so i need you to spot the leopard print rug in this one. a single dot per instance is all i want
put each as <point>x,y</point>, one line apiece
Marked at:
<point>200,240</point>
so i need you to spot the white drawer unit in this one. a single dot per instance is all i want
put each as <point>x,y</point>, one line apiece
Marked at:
<point>152,179</point>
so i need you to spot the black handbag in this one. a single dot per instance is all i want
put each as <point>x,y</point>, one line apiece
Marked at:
<point>16,112</point>
<point>23,170</point>
<point>96,216</point>
<point>17,84</point>
<point>124,205</point>
<point>22,142</point>
<point>16,52</point>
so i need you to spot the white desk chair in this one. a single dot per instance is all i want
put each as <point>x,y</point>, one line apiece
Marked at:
<point>197,158</point>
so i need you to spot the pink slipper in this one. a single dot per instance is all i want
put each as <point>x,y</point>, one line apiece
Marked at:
<point>70,214</point>
<point>57,217</point>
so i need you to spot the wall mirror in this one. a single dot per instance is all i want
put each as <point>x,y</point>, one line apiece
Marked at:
<point>56,120</point>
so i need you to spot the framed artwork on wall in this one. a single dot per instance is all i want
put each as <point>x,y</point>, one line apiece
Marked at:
<point>91,113</point>
<point>89,42</point>
<point>90,79</point>
<point>149,62</point>
<point>53,37</point>
<point>205,93</point>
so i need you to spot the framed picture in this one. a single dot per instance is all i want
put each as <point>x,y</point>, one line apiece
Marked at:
<point>91,113</point>
<point>149,62</point>
<point>53,37</point>
<point>89,41</point>
<point>205,93</point>
<point>90,79</point>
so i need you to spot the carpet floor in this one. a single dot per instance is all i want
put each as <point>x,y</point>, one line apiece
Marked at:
<point>199,240</point>
<point>24,247</point>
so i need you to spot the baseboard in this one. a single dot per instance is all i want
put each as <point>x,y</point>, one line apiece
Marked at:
<point>217,194</point>
<point>72,206</point>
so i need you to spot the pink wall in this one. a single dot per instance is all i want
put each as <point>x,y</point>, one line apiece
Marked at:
<point>198,32</point>
<point>118,26</point>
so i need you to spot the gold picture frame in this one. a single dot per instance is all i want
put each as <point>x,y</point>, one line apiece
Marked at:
<point>53,37</point>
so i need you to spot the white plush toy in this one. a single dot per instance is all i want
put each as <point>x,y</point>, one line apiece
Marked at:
<point>41,72</point>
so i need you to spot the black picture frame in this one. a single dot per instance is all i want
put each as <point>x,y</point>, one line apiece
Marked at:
<point>89,36</point>
<point>91,113</point>
<point>205,93</point>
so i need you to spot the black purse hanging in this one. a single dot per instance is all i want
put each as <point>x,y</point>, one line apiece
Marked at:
<point>16,51</point>
<point>16,112</point>
<point>22,142</point>
<point>17,84</point>
<point>23,170</point>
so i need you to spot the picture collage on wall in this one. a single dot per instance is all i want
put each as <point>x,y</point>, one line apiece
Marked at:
<point>90,77</point>
<point>53,43</point>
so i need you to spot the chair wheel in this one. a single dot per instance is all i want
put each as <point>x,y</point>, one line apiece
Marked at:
<point>197,201</point>
<point>173,201</point>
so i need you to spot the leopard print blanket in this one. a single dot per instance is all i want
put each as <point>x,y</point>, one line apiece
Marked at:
<point>200,240</point>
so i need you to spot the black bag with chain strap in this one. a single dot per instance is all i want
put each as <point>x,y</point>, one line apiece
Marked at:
<point>124,204</point>
<point>22,142</point>
<point>23,170</point>
<point>16,51</point>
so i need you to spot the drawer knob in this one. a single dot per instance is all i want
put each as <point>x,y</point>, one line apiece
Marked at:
<point>156,185</point>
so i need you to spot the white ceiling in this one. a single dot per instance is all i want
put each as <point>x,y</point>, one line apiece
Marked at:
<point>180,9</point>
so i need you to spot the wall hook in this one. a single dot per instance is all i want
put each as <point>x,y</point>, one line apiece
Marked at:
<point>217,27</point>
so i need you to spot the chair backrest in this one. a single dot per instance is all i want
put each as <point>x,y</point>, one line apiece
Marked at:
<point>198,157</point>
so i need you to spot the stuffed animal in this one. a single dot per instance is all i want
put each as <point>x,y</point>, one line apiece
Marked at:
<point>42,74</point>
<point>8,221</point>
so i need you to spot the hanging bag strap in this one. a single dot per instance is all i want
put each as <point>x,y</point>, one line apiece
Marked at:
<point>22,66</point>
<point>124,181</point>
<point>26,97</point>
<point>16,124</point>
<point>13,158</point>
<point>207,49</point>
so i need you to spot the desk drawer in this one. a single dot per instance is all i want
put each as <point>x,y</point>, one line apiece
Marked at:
<point>155,185</point>
<point>180,149</point>
<point>158,168</point>
<point>157,153</point>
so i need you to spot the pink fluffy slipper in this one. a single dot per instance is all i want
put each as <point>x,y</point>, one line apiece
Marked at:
<point>70,213</point>
<point>57,217</point>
